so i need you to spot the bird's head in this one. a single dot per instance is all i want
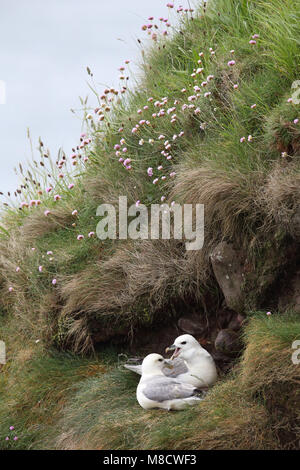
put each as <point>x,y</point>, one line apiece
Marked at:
<point>154,363</point>
<point>183,346</point>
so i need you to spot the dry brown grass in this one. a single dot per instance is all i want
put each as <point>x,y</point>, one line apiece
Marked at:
<point>281,197</point>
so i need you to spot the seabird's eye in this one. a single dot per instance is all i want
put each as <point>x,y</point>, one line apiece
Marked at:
<point>160,360</point>
<point>183,342</point>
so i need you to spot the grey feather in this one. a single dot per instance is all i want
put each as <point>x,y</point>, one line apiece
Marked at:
<point>160,389</point>
<point>179,367</point>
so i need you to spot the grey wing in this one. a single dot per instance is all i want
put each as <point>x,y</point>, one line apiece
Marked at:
<point>137,369</point>
<point>164,389</point>
<point>179,367</point>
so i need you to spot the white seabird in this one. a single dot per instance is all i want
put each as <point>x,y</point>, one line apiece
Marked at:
<point>191,363</point>
<point>155,390</point>
<point>202,371</point>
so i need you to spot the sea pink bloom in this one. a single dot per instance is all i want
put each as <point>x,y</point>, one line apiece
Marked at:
<point>48,190</point>
<point>10,289</point>
<point>32,203</point>
<point>16,438</point>
<point>231,63</point>
<point>80,237</point>
<point>150,171</point>
<point>61,175</point>
<point>7,438</point>
<point>125,150</point>
<point>117,147</point>
<point>49,253</point>
<point>11,428</point>
<point>268,313</point>
<point>24,204</point>
<point>255,36</point>
<point>155,180</point>
<point>91,234</point>
<point>54,282</point>
<point>137,203</point>
<point>71,186</point>
<point>250,138</point>
<point>170,5</point>
<point>40,269</point>
<point>252,42</point>
<point>47,212</point>
<point>57,197</point>
<point>242,139</point>
<point>18,269</point>
<point>163,198</point>
<point>296,121</point>
<point>290,100</point>
<point>75,212</point>
<point>235,86</point>
<point>173,174</point>
<point>253,106</point>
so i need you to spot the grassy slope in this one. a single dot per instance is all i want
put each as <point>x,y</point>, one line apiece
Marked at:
<point>241,184</point>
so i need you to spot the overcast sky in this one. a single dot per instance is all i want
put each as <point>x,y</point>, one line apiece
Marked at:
<point>45,46</point>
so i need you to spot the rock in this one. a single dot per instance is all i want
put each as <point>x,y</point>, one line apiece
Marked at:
<point>228,342</point>
<point>228,270</point>
<point>291,297</point>
<point>191,325</point>
<point>236,323</point>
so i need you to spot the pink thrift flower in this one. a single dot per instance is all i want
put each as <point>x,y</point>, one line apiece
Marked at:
<point>18,269</point>
<point>91,234</point>
<point>10,289</point>
<point>150,171</point>
<point>75,212</point>
<point>80,237</point>
<point>71,186</point>
<point>268,313</point>
<point>49,253</point>
<point>296,121</point>
<point>252,42</point>
<point>11,428</point>
<point>47,212</point>
<point>57,197</point>
<point>242,139</point>
<point>54,282</point>
<point>290,100</point>
<point>155,181</point>
<point>231,63</point>
<point>48,190</point>
<point>16,438</point>
<point>40,269</point>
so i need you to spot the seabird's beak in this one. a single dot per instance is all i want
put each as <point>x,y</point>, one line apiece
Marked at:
<point>174,348</point>
<point>168,364</point>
